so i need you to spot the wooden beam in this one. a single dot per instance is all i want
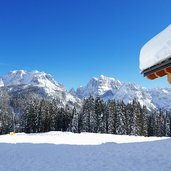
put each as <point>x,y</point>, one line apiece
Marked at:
<point>161,73</point>
<point>169,77</point>
<point>152,76</point>
<point>168,70</point>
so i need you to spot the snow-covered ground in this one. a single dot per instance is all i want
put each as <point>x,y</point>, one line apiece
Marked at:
<point>156,50</point>
<point>57,151</point>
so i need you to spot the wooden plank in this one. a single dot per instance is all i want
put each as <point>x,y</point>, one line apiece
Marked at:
<point>168,70</point>
<point>152,76</point>
<point>161,73</point>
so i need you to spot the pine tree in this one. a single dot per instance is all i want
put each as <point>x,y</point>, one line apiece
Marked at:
<point>121,119</point>
<point>6,115</point>
<point>88,115</point>
<point>111,105</point>
<point>151,124</point>
<point>75,121</point>
<point>168,125</point>
<point>159,126</point>
<point>137,118</point>
<point>106,117</point>
<point>130,119</point>
<point>98,118</point>
<point>144,119</point>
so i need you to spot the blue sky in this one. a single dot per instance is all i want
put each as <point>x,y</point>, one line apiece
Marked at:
<point>74,40</point>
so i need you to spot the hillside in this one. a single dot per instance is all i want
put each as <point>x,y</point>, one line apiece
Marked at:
<point>43,85</point>
<point>110,88</point>
<point>40,84</point>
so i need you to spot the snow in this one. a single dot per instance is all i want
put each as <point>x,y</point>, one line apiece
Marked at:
<point>44,81</point>
<point>1,83</point>
<point>109,88</point>
<point>79,152</point>
<point>73,139</point>
<point>105,87</point>
<point>156,50</point>
<point>35,78</point>
<point>98,87</point>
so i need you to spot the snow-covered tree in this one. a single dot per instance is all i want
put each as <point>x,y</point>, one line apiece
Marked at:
<point>167,125</point>
<point>121,119</point>
<point>111,107</point>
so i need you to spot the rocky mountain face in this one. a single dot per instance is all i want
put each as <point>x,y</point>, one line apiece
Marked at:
<point>44,86</point>
<point>39,83</point>
<point>110,88</point>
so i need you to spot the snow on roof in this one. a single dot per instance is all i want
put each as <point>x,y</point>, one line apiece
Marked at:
<point>156,50</point>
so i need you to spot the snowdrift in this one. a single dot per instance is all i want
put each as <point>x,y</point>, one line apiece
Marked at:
<point>156,50</point>
<point>80,152</point>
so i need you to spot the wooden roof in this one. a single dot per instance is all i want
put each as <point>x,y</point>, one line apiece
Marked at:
<point>159,70</point>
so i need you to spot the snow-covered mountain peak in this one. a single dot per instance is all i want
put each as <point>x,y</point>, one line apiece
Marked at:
<point>103,77</point>
<point>108,80</point>
<point>17,72</point>
<point>110,88</point>
<point>98,86</point>
<point>105,87</point>
<point>35,78</point>
<point>44,83</point>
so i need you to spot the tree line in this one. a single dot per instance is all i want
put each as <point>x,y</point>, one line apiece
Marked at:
<point>30,114</point>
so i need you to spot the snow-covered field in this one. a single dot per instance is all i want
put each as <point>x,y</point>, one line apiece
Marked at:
<point>57,151</point>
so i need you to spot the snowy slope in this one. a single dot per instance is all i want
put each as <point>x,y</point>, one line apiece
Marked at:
<point>69,138</point>
<point>45,85</point>
<point>156,50</point>
<point>1,83</point>
<point>107,88</point>
<point>161,97</point>
<point>79,152</point>
<point>110,88</point>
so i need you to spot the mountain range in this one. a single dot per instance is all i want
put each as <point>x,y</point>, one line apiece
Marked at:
<point>110,88</point>
<point>39,84</point>
<point>45,86</point>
